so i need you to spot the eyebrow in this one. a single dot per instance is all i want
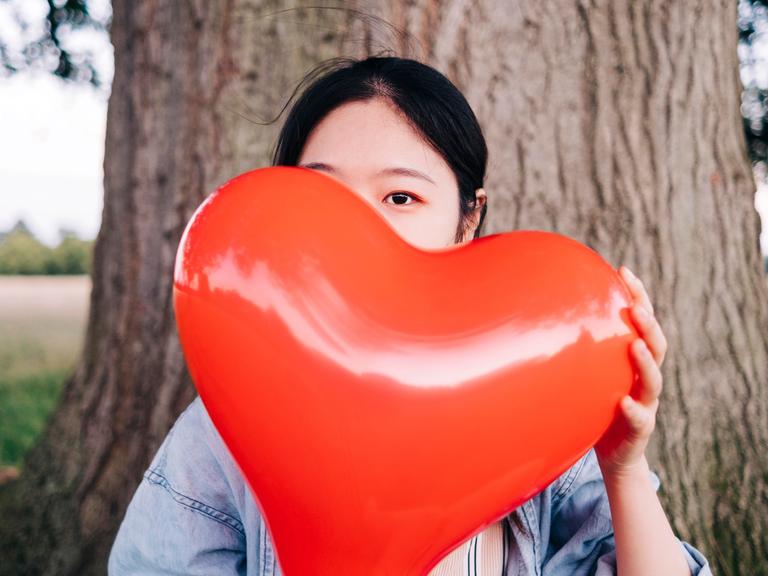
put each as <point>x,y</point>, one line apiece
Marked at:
<point>394,170</point>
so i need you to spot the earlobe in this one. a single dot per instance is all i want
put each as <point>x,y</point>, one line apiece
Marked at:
<point>480,198</point>
<point>469,231</point>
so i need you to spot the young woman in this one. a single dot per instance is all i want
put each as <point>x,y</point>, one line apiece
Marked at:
<point>401,135</point>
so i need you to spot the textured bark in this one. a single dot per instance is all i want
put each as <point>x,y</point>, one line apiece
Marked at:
<point>188,75</point>
<point>615,123</point>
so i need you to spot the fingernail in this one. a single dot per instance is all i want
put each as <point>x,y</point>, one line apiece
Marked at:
<point>631,274</point>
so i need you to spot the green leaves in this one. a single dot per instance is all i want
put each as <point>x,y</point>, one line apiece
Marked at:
<point>22,253</point>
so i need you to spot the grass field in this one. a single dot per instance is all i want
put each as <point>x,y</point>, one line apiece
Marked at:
<point>42,324</point>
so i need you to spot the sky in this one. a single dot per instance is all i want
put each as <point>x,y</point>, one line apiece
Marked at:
<point>52,144</point>
<point>52,148</point>
<point>51,131</point>
<point>761,203</point>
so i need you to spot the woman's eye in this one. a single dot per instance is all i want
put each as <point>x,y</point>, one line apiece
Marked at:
<point>401,198</point>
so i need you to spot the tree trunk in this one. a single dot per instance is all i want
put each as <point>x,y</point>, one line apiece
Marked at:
<point>615,123</point>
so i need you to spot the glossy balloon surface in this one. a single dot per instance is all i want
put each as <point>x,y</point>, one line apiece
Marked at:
<point>384,402</point>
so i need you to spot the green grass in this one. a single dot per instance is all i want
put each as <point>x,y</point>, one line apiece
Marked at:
<point>25,404</point>
<point>42,323</point>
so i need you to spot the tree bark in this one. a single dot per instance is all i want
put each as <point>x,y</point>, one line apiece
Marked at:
<point>615,123</point>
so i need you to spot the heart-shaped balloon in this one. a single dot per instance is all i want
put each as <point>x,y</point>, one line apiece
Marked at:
<point>385,402</point>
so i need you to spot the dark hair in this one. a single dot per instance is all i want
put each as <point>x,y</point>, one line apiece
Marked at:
<point>431,104</point>
<point>429,101</point>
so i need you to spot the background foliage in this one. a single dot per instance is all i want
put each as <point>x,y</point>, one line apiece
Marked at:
<point>753,53</point>
<point>56,44</point>
<point>22,253</point>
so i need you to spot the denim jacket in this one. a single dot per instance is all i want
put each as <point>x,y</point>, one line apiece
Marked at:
<point>194,514</point>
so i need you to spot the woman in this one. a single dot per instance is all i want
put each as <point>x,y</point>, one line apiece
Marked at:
<point>400,135</point>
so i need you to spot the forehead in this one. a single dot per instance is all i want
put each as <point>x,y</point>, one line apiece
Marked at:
<point>370,133</point>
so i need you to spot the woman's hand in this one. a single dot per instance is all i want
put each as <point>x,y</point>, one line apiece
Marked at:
<point>621,449</point>
<point>639,521</point>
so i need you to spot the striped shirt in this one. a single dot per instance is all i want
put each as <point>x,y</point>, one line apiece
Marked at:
<point>485,554</point>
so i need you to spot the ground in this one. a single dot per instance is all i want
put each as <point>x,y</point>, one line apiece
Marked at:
<point>42,323</point>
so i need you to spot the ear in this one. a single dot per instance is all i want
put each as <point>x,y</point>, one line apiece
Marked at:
<point>480,200</point>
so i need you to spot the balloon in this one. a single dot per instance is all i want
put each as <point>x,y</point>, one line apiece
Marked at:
<point>385,403</point>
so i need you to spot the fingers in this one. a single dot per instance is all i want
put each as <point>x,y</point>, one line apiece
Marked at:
<point>640,413</point>
<point>646,323</point>
<point>648,372</point>
<point>641,419</point>
<point>637,288</point>
<point>651,332</point>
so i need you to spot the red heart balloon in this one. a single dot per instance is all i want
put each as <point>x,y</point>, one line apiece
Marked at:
<point>385,402</point>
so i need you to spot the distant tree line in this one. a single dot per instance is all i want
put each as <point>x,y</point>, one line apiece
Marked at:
<point>22,253</point>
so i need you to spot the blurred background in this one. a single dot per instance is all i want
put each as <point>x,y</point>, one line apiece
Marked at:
<point>52,127</point>
<point>56,74</point>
